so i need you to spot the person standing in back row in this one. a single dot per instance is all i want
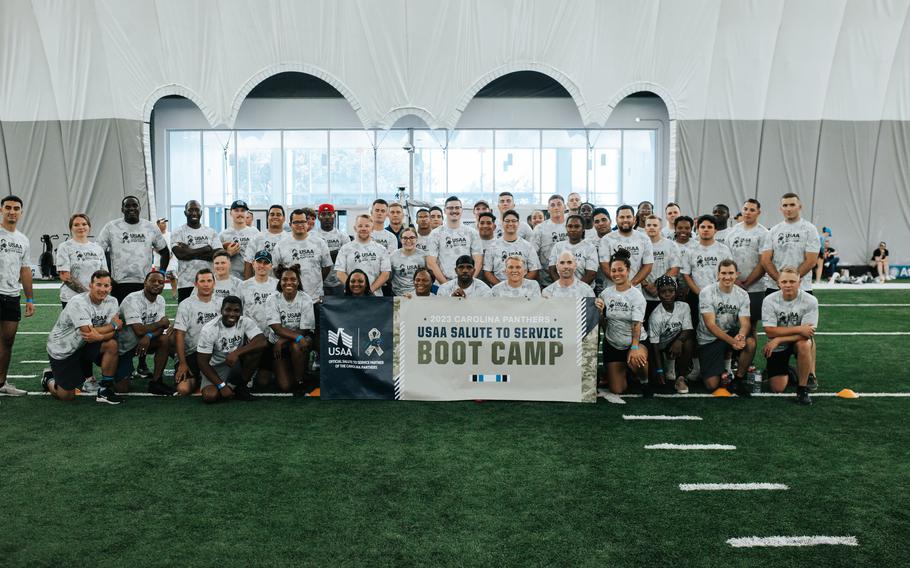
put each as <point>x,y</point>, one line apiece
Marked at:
<point>193,245</point>
<point>14,269</point>
<point>450,241</point>
<point>239,239</point>
<point>547,234</point>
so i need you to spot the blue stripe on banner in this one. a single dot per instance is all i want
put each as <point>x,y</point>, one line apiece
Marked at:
<point>489,378</point>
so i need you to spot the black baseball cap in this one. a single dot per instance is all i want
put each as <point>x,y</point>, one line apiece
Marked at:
<point>263,255</point>
<point>239,204</point>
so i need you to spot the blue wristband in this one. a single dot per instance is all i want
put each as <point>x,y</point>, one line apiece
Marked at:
<point>299,337</point>
<point>149,335</point>
<point>29,301</point>
<point>633,347</point>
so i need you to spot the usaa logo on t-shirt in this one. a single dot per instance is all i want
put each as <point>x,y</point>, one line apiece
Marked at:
<point>740,242</point>
<point>456,241</point>
<point>98,320</point>
<point>787,319</point>
<point>365,256</point>
<point>783,238</point>
<point>302,254</point>
<point>617,305</point>
<point>260,298</point>
<point>127,237</point>
<point>702,261</point>
<point>289,319</point>
<point>726,309</point>
<point>203,318</point>
<point>230,343</point>
<point>82,256</point>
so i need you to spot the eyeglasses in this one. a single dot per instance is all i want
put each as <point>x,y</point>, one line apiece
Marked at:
<point>409,238</point>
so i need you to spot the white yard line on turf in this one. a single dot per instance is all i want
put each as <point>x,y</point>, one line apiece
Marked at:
<point>689,447</point>
<point>733,487</point>
<point>775,541</point>
<point>659,417</point>
<point>774,394</point>
<point>146,394</point>
<point>21,376</point>
<point>36,361</point>
<point>864,305</point>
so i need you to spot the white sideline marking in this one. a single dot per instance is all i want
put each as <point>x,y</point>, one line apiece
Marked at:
<point>689,447</point>
<point>733,487</point>
<point>263,395</point>
<point>658,417</point>
<point>753,541</point>
<point>21,376</point>
<point>774,394</point>
<point>864,305</point>
<point>36,361</point>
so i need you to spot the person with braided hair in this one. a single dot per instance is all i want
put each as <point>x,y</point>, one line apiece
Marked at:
<point>672,335</point>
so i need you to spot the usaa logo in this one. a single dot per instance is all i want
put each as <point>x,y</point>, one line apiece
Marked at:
<point>617,305</point>
<point>127,237</point>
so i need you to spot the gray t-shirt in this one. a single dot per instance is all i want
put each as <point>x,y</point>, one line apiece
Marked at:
<point>477,289</point>
<point>446,245</point>
<point>296,315</point>
<point>637,243</point>
<point>371,257</point>
<point>494,258</point>
<point>192,314</point>
<point>65,337</point>
<point>622,310</point>
<point>404,268</point>
<point>528,289</point>
<point>727,309</point>
<point>544,237</point>
<point>578,289</point>
<point>247,238</point>
<point>664,326</point>
<point>137,309</point>
<point>666,257</point>
<point>777,312</point>
<point>131,248</point>
<point>81,260</point>
<point>746,245</point>
<point>700,262</point>
<point>255,295</point>
<point>195,239</point>
<point>334,239</point>
<point>386,239</point>
<point>230,286</point>
<point>524,231</point>
<point>423,242</point>
<point>790,242</point>
<point>264,241</point>
<point>721,235</point>
<point>311,254</point>
<point>220,340</point>
<point>585,253</point>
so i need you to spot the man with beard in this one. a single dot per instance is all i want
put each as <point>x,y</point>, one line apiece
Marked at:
<point>309,253</point>
<point>641,255</point>
<point>266,240</point>
<point>193,246</point>
<point>722,214</point>
<point>464,285</point>
<point>334,239</point>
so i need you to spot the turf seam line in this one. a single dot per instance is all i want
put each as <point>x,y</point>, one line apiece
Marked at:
<point>659,417</point>
<point>690,447</point>
<point>775,541</point>
<point>733,487</point>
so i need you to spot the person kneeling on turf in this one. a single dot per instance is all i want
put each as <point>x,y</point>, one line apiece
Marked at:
<point>228,353</point>
<point>671,333</point>
<point>193,313</point>
<point>724,325</point>
<point>291,321</point>
<point>790,317</point>
<point>144,331</point>
<point>84,333</point>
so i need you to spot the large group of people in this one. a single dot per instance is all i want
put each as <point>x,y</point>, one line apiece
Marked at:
<point>680,296</point>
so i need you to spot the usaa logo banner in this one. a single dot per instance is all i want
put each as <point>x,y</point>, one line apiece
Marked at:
<point>495,349</point>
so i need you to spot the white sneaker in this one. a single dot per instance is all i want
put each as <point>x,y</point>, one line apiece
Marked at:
<point>90,386</point>
<point>696,371</point>
<point>10,389</point>
<point>610,397</point>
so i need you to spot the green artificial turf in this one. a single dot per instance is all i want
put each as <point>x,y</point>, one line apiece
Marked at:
<point>291,481</point>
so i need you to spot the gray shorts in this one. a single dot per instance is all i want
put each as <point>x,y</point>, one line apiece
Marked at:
<point>231,375</point>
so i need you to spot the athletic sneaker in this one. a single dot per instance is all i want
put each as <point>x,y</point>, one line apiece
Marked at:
<point>244,394</point>
<point>813,382</point>
<point>46,377</point>
<point>681,386</point>
<point>160,388</point>
<point>741,388</point>
<point>142,372</point>
<point>646,391</point>
<point>10,389</point>
<point>695,372</point>
<point>108,396</point>
<point>90,386</point>
<point>802,397</point>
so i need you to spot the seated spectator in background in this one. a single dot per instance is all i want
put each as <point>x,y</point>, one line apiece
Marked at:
<point>820,265</point>
<point>829,261</point>
<point>789,317</point>
<point>880,262</point>
<point>464,285</point>
<point>357,284</point>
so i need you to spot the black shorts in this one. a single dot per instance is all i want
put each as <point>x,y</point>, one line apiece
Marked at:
<point>779,362</point>
<point>650,306</point>
<point>755,301</point>
<point>10,310</point>
<point>125,366</point>
<point>121,291</point>
<point>69,373</point>
<point>614,355</point>
<point>712,358</point>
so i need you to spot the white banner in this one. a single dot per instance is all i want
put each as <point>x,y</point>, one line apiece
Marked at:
<point>493,349</point>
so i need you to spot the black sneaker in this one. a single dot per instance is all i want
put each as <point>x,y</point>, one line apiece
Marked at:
<point>243,394</point>
<point>812,385</point>
<point>108,396</point>
<point>802,396</point>
<point>46,377</point>
<point>646,391</point>
<point>161,389</point>
<point>741,388</point>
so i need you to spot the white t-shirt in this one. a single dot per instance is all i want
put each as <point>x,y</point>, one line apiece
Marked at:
<point>423,242</point>
<point>296,315</point>
<point>220,340</point>
<point>195,239</point>
<point>778,312</point>
<point>334,239</point>
<point>266,241</point>
<point>578,289</point>
<point>746,245</point>
<point>585,253</point>
<point>247,238</point>
<point>65,337</point>
<point>637,243</point>
<point>371,257</point>
<point>666,257</point>
<point>790,242</point>
<point>446,245</point>
<point>545,236</point>
<point>664,326</point>
<point>311,254</point>
<point>700,262</point>
<point>230,286</point>
<point>137,309</point>
<point>477,289</point>
<point>386,239</point>
<point>131,247</point>
<point>494,258</point>
<point>622,310</point>
<point>524,231</point>
<point>192,314</point>
<point>255,295</point>
<point>727,309</point>
<point>81,260</point>
<point>528,289</point>
<point>404,268</point>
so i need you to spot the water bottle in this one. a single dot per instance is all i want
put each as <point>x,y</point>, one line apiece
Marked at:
<point>756,381</point>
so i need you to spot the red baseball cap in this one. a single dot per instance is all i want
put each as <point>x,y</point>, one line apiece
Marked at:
<point>326,207</point>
